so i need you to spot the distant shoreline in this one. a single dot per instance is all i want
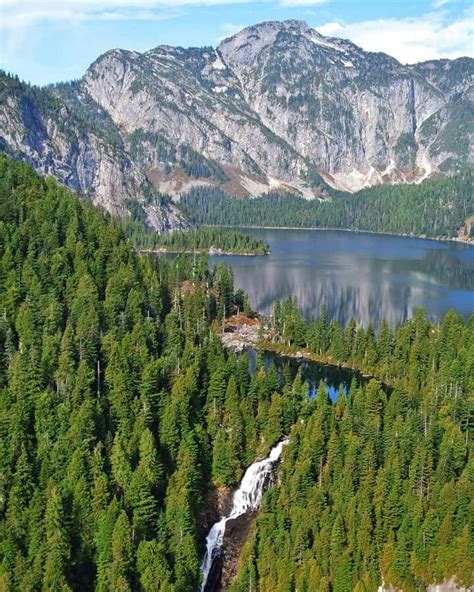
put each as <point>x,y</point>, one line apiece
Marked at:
<point>469,241</point>
<point>209,251</point>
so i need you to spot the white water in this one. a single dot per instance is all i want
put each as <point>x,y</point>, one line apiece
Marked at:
<point>247,497</point>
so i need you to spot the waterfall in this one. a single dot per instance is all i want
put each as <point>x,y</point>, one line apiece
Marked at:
<point>247,497</point>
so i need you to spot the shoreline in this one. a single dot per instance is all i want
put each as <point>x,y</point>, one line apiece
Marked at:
<point>247,336</point>
<point>304,355</point>
<point>209,251</point>
<point>469,242</point>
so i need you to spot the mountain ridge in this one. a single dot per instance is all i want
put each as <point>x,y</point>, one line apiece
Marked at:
<point>277,106</point>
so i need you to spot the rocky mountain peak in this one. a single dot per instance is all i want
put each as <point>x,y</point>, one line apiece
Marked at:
<point>252,40</point>
<point>277,106</point>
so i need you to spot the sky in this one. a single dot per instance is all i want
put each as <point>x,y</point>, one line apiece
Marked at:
<point>46,41</point>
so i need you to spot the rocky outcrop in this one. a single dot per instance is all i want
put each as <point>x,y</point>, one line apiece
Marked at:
<point>449,586</point>
<point>224,568</point>
<point>237,338</point>
<point>50,135</point>
<point>360,118</point>
<point>217,503</point>
<point>276,106</point>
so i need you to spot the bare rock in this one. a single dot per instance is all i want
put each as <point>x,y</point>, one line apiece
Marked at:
<point>277,106</point>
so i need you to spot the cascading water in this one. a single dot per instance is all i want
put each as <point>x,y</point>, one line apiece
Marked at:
<point>247,497</point>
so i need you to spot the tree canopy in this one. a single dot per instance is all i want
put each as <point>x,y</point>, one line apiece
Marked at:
<point>435,208</point>
<point>119,410</point>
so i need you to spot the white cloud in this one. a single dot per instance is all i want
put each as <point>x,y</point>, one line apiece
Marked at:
<point>17,14</point>
<point>18,20</point>
<point>22,20</point>
<point>410,40</point>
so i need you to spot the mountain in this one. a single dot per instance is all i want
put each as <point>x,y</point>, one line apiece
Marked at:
<point>441,208</point>
<point>276,106</point>
<point>361,118</point>
<point>85,155</point>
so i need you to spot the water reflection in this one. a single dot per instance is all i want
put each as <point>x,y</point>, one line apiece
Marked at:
<point>335,380</point>
<point>363,276</point>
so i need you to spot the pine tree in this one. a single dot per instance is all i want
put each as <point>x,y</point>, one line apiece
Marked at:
<point>119,570</point>
<point>152,566</point>
<point>57,550</point>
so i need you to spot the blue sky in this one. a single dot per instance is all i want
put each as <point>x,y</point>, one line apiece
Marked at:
<point>51,40</point>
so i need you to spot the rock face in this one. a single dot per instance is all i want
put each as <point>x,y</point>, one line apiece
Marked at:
<point>276,106</point>
<point>449,586</point>
<point>217,503</point>
<point>360,118</point>
<point>49,134</point>
<point>224,568</point>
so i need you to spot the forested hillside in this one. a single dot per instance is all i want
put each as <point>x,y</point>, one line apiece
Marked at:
<point>119,410</point>
<point>203,239</point>
<point>377,487</point>
<point>117,405</point>
<point>433,208</point>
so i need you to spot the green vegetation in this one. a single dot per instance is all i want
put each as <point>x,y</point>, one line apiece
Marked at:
<point>195,240</point>
<point>148,148</point>
<point>60,103</point>
<point>406,149</point>
<point>203,239</point>
<point>90,115</point>
<point>196,165</point>
<point>376,487</point>
<point>455,137</point>
<point>114,389</point>
<point>12,86</point>
<point>119,409</point>
<point>433,208</point>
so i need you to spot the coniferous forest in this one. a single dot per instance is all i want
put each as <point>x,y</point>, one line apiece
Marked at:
<point>119,410</point>
<point>377,487</point>
<point>435,208</point>
<point>202,240</point>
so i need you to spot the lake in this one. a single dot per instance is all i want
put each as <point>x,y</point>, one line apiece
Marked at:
<point>335,379</point>
<point>363,276</point>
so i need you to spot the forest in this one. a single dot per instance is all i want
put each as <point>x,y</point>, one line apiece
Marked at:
<point>195,239</point>
<point>435,208</point>
<point>119,410</point>
<point>202,239</point>
<point>377,487</point>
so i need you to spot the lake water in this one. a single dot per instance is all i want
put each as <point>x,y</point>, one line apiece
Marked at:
<point>363,276</point>
<point>335,379</point>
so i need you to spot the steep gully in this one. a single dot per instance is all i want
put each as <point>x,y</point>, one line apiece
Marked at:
<point>246,499</point>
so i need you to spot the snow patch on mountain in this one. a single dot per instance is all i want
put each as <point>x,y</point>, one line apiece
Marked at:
<point>218,64</point>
